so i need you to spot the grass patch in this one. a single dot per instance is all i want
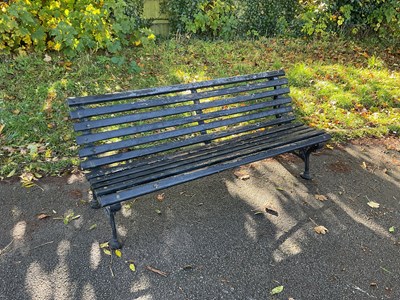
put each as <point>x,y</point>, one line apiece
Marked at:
<point>351,90</point>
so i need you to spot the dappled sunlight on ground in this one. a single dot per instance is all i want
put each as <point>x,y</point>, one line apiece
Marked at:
<point>215,237</point>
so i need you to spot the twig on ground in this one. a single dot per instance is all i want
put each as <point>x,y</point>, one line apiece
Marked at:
<point>6,247</point>
<point>51,242</point>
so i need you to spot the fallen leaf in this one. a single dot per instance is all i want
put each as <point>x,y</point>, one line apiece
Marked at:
<point>118,253</point>
<point>329,146</point>
<point>321,229</point>
<point>258,212</point>
<point>106,251</point>
<point>158,211</point>
<point>373,284</point>
<point>321,197</point>
<point>373,204</point>
<point>42,216</point>
<point>277,290</point>
<point>93,227</point>
<point>2,127</point>
<point>160,197</point>
<point>132,267</point>
<point>364,165</point>
<point>242,174</point>
<point>11,173</point>
<point>47,58</point>
<point>392,229</point>
<point>103,245</point>
<point>156,271</point>
<point>280,189</point>
<point>271,211</point>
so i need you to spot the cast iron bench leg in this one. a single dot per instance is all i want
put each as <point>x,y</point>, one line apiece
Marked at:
<point>305,156</point>
<point>94,203</point>
<point>111,210</point>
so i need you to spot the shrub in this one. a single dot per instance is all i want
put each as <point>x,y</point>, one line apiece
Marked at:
<point>67,26</point>
<point>215,18</point>
<point>380,17</point>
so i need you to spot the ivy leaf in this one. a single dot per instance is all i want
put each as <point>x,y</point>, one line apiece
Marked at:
<point>277,290</point>
<point>392,229</point>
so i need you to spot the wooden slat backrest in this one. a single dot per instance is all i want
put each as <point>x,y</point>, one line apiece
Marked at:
<point>123,126</point>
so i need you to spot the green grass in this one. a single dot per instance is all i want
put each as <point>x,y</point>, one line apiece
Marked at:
<point>351,90</point>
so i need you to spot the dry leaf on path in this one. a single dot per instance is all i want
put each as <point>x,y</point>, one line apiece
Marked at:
<point>106,251</point>
<point>321,229</point>
<point>156,271</point>
<point>321,197</point>
<point>272,211</point>
<point>277,290</point>
<point>373,204</point>
<point>161,197</point>
<point>242,174</point>
<point>118,253</point>
<point>132,267</point>
<point>42,216</point>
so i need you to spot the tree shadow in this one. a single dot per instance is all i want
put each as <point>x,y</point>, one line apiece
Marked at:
<point>213,237</point>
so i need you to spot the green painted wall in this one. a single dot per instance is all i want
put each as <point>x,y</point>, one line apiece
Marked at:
<point>160,21</point>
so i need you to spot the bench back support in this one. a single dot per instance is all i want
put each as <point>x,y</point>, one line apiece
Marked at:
<point>124,126</point>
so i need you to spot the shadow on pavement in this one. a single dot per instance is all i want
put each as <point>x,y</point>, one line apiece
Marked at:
<point>218,237</point>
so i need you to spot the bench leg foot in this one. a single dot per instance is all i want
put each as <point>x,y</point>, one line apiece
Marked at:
<point>94,203</point>
<point>111,210</point>
<point>305,155</point>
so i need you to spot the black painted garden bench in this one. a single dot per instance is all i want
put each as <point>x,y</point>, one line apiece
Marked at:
<point>137,142</point>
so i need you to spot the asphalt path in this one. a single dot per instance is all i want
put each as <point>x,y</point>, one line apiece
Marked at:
<point>219,237</point>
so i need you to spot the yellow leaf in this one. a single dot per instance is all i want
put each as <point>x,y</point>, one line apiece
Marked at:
<point>57,46</point>
<point>118,253</point>
<point>329,146</point>
<point>104,245</point>
<point>132,267</point>
<point>11,173</point>
<point>321,229</point>
<point>106,251</point>
<point>277,290</point>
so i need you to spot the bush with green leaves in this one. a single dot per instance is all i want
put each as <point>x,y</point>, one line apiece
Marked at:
<point>68,26</point>
<point>214,18</point>
<point>370,17</point>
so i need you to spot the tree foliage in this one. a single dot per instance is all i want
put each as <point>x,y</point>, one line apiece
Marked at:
<point>222,18</point>
<point>68,26</point>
